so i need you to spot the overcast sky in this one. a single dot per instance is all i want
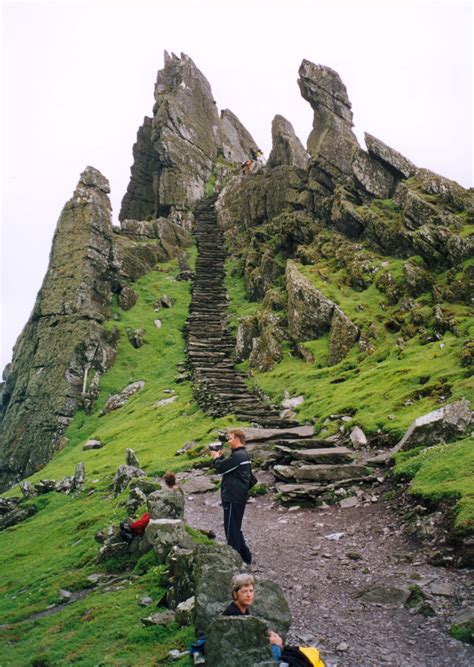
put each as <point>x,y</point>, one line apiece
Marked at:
<point>78,78</point>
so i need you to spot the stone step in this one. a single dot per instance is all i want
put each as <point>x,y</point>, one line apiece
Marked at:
<point>319,473</point>
<point>300,443</point>
<point>284,433</point>
<point>329,455</point>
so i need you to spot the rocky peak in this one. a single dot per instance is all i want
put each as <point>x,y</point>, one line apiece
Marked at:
<point>175,153</point>
<point>286,147</point>
<point>63,336</point>
<point>331,141</point>
<point>237,143</point>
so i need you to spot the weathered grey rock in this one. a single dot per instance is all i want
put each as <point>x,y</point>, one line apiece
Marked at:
<point>160,618</point>
<point>136,337</point>
<point>358,437</point>
<point>127,298</point>
<point>342,336</point>
<point>266,348</point>
<point>164,534</point>
<point>331,142</point>
<point>140,199</point>
<point>136,498</point>
<point>214,567</point>
<point>26,488</point>
<point>373,177</point>
<point>79,475</point>
<point>147,485</point>
<point>166,301</point>
<point>119,400</point>
<point>166,503</point>
<point>309,311</point>
<point>45,486</point>
<point>270,606</point>
<point>291,402</point>
<point>234,640</point>
<point>389,157</point>
<point>286,147</point>
<point>385,594</point>
<point>440,426</point>
<point>449,192</point>
<point>247,331</point>
<point>131,458</point>
<point>15,516</point>
<point>180,585</point>
<point>123,477</point>
<point>237,143</point>
<point>93,444</point>
<point>165,401</point>
<point>185,612</point>
<point>319,473</point>
<point>63,338</point>
<point>198,484</point>
<point>261,434</point>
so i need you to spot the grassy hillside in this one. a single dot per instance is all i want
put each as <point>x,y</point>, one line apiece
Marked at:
<point>55,549</point>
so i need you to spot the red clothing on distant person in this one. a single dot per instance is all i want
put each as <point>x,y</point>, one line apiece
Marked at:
<point>140,524</point>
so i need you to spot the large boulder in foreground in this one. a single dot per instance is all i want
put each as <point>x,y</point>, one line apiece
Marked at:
<point>237,640</point>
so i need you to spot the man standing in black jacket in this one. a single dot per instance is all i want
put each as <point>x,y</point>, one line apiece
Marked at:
<point>236,474</point>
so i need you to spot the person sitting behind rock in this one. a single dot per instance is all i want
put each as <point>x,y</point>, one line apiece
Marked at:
<point>243,595</point>
<point>168,502</point>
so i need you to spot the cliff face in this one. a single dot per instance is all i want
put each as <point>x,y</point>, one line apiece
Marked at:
<point>63,336</point>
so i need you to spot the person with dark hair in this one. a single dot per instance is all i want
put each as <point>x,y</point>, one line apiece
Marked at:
<point>236,480</point>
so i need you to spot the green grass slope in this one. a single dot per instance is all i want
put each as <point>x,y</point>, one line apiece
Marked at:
<point>55,549</point>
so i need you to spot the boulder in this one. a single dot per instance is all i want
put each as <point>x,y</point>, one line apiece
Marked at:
<point>237,640</point>
<point>119,400</point>
<point>214,567</point>
<point>343,335</point>
<point>123,477</point>
<point>358,437</point>
<point>309,311</point>
<point>184,612</point>
<point>270,606</point>
<point>93,444</point>
<point>391,595</point>
<point>160,618</point>
<point>16,515</point>
<point>136,498</point>
<point>198,484</point>
<point>164,534</point>
<point>79,475</point>
<point>440,426</point>
<point>136,337</point>
<point>286,147</point>
<point>127,298</point>
<point>26,488</point>
<point>389,157</point>
<point>180,584</point>
<point>166,503</point>
<point>131,458</point>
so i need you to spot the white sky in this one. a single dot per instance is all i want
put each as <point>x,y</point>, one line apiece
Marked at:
<point>78,78</point>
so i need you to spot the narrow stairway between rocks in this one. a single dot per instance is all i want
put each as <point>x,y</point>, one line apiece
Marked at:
<point>218,387</point>
<point>307,468</point>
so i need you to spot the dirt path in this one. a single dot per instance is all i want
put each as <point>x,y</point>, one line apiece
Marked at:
<point>321,576</point>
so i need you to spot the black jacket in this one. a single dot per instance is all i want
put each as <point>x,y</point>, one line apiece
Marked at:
<point>236,473</point>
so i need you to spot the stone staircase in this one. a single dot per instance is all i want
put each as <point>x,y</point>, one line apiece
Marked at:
<point>306,468</point>
<point>218,387</point>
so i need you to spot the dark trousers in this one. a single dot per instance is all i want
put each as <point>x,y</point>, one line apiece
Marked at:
<point>233,515</point>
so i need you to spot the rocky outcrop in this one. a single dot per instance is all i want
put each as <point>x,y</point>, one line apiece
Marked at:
<point>311,314</point>
<point>177,149</point>
<point>237,143</point>
<point>140,200</point>
<point>332,142</point>
<point>64,339</point>
<point>286,147</point>
<point>389,157</point>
